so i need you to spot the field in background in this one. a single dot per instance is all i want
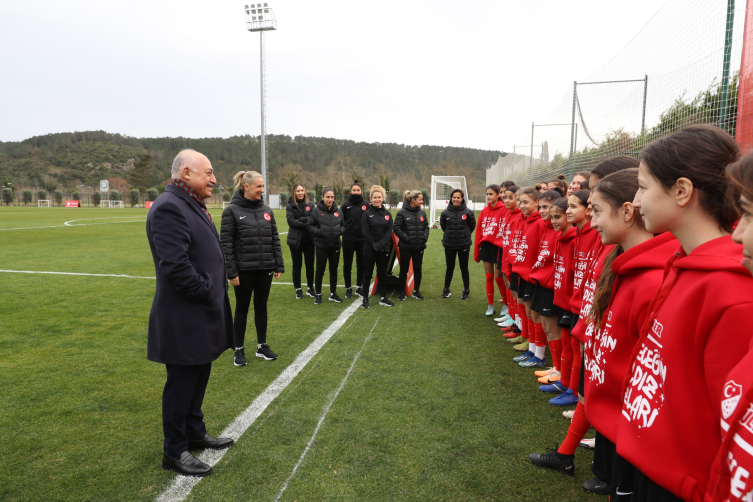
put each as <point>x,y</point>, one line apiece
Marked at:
<point>434,409</point>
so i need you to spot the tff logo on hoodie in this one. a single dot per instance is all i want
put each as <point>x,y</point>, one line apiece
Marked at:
<point>645,394</point>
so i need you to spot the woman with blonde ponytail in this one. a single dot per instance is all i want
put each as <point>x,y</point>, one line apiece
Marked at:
<point>253,255</point>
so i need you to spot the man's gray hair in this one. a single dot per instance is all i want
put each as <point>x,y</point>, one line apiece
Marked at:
<point>187,157</point>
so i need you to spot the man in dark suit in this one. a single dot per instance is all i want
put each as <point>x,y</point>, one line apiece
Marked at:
<point>190,323</point>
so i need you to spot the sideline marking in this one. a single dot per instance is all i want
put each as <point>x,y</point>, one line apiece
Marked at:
<point>181,486</point>
<point>325,411</point>
<point>68,223</point>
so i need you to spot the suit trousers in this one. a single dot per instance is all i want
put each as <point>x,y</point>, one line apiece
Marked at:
<point>182,397</point>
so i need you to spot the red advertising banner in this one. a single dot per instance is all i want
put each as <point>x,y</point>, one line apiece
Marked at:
<point>72,203</point>
<point>744,132</point>
<point>148,204</point>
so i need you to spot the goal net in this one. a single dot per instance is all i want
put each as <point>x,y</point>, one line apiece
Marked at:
<point>441,188</point>
<point>43,203</point>
<point>111,203</point>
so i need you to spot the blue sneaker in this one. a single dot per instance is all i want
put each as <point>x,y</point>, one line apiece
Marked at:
<point>533,362</point>
<point>525,356</point>
<point>567,398</point>
<point>554,387</point>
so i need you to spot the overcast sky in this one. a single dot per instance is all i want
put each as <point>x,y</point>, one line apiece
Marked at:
<point>469,74</point>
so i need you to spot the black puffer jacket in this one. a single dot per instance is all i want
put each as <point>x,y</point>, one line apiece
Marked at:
<point>458,224</point>
<point>297,216</point>
<point>377,228</point>
<point>325,225</point>
<point>411,227</point>
<point>249,237</point>
<point>353,209</point>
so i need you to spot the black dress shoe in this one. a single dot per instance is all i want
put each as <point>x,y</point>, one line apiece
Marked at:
<point>210,443</point>
<point>187,465</point>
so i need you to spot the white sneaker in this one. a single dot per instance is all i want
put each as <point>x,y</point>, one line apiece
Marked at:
<point>588,444</point>
<point>506,324</point>
<point>502,318</point>
<point>490,310</point>
<point>569,414</point>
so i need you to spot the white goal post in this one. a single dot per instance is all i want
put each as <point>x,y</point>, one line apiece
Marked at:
<point>441,187</point>
<point>43,203</point>
<point>225,204</point>
<point>111,203</point>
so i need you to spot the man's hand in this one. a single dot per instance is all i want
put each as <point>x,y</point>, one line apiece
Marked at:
<point>235,281</point>
<point>278,275</point>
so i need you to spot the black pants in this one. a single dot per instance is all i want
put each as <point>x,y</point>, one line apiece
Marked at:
<point>256,283</point>
<point>418,259</point>
<point>304,252</point>
<point>370,258</point>
<point>463,255</point>
<point>322,257</point>
<point>182,418</point>
<point>617,472</point>
<point>350,247</point>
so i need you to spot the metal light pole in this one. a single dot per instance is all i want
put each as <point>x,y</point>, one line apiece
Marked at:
<point>259,17</point>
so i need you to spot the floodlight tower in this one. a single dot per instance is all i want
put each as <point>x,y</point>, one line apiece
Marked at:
<point>259,17</point>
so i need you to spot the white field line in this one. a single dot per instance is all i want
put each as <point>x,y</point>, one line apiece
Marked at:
<point>71,223</point>
<point>325,411</point>
<point>181,486</point>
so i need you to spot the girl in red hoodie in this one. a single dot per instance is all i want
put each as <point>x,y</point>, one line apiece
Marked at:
<point>486,233</point>
<point>510,236</point>
<point>732,472</point>
<point>695,330</point>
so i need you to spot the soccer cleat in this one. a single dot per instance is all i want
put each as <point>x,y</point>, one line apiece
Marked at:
<point>318,300</point>
<point>240,357</point>
<point>555,387</point>
<point>386,302</point>
<point>334,298</point>
<point>348,293</point>
<point>365,303</point>
<point>533,362</point>
<point>298,294</point>
<point>417,295</point>
<point>522,346</point>
<point>446,293</point>
<point>505,310</point>
<point>567,398</point>
<point>265,352</point>
<point>588,444</point>
<point>545,372</point>
<point>552,377</point>
<point>554,460</point>
<point>359,292</point>
<point>506,324</point>
<point>490,310</point>
<point>310,291</point>
<point>510,329</point>
<point>513,337</point>
<point>595,485</point>
<point>502,318</point>
<point>402,297</point>
<point>568,414</point>
<point>523,357</point>
<point>466,294</point>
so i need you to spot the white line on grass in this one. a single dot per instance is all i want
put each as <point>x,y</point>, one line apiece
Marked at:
<point>325,411</point>
<point>70,223</point>
<point>181,486</point>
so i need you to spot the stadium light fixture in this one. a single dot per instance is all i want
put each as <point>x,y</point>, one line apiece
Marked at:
<point>262,19</point>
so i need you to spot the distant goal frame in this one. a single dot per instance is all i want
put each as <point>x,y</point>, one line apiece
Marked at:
<point>39,203</point>
<point>111,204</point>
<point>441,186</point>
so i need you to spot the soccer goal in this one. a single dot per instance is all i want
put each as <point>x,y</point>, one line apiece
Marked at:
<point>43,203</point>
<point>111,203</point>
<point>225,204</point>
<point>441,187</point>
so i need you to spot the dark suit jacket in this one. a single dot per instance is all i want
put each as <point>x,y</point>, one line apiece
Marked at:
<point>191,321</point>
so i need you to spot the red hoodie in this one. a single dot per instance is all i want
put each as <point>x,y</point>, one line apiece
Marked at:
<point>528,245</point>
<point>732,471</point>
<point>694,332</point>
<point>499,240</point>
<point>513,232</point>
<point>588,247</point>
<point>589,289</point>
<point>503,240</point>
<point>488,226</point>
<point>542,271</point>
<point>563,268</point>
<point>638,273</point>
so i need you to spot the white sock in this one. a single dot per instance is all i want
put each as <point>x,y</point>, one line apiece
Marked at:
<point>540,352</point>
<point>531,347</point>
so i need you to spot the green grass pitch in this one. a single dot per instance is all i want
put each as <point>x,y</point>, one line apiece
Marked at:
<point>434,408</point>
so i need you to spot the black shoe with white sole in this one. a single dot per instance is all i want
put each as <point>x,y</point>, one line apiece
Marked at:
<point>402,297</point>
<point>265,352</point>
<point>417,295</point>
<point>348,293</point>
<point>310,291</point>
<point>318,300</point>
<point>554,460</point>
<point>240,357</point>
<point>298,294</point>
<point>365,303</point>
<point>446,293</point>
<point>595,485</point>
<point>359,291</point>
<point>334,298</point>
<point>386,302</point>
<point>466,294</point>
